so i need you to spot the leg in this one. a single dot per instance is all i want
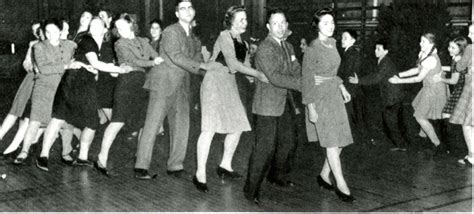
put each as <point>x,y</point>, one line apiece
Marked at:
<point>7,124</point>
<point>178,117</point>
<point>66,137</point>
<point>285,143</point>
<point>332,154</point>
<point>30,135</point>
<point>50,136</point>
<point>230,145</point>
<point>19,136</point>
<point>203,146</point>
<point>467,131</point>
<point>391,116</point>
<point>429,130</point>
<point>261,156</point>
<point>155,115</point>
<point>109,136</point>
<point>86,140</point>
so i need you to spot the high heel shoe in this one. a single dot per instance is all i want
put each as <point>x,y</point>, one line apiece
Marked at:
<point>323,184</point>
<point>20,160</point>
<point>224,173</point>
<point>101,169</point>
<point>344,197</point>
<point>200,186</point>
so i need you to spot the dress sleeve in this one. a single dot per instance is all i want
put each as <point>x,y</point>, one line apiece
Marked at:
<point>310,63</point>
<point>228,50</point>
<point>125,55</point>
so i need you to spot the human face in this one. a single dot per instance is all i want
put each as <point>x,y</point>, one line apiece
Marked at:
<point>453,49</point>
<point>425,44</point>
<point>380,51</point>
<point>124,28</point>
<point>277,26</point>
<point>52,33</point>
<point>105,17</point>
<point>97,28</point>
<point>239,23</point>
<point>86,18</point>
<point>303,44</point>
<point>185,12</point>
<point>471,32</point>
<point>65,31</point>
<point>326,25</point>
<point>347,40</point>
<point>155,31</point>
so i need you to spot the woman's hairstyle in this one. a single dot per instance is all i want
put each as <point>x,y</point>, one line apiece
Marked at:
<point>318,14</point>
<point>273,11</point>
<point>461,42</point>
<point>130,20</point>
<point>230,15</point>
<point>157,21</point>
<point>431,37</point>
<point>53,21</point>
<point>352,33</point>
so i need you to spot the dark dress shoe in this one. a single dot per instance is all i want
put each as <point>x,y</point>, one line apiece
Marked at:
<point>255,199</point>
<point>42,163</point>
<point>344,197</point>
<point>225,174</point>
<point>281,182</point>
<point>101,169</point>
<point>323,184</point>
<point>67,162</point>
<point>175,173</point>
<point>80,162</point>
<point>143,174</point>
<point>202,187</point>
<point>20,160</point>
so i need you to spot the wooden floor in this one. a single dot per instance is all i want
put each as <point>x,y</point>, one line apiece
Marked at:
<point>380,180</point>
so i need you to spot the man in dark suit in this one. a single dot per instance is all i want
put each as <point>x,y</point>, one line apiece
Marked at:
<point>169,92</point>
<point>275,114</point>
<point>391,94</point>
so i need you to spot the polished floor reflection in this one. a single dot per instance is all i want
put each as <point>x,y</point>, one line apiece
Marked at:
<point>380,180</point>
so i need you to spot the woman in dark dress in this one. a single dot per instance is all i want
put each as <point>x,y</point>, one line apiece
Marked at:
<point>130,98</point>
<point>76,101</point>
<point>83,28</point>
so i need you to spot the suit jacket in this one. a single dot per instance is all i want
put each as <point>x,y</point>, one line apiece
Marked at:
<point>283,71</point>
<point>181,54</point>
<point>390,93</point>
<point>350,63</point>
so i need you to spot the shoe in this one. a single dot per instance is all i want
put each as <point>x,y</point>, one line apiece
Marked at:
<point>20,160</point>
<point>80,162</point>
<point>323,184</point>
<point>200,186</point>
<point>344,197</point>
<point>176,173</point>
<point>282,183</point>
<point>101,169</point>
<point>143,174</point>
<point>465,161</point>
<point>42,163</point>
<point>225,174</point>
<point>66,161</point>
<point>255,199</point>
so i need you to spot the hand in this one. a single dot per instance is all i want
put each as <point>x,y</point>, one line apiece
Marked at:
<point>457,58</point>
<point>313,116</point>
<point>74,65</point>
<point>345,94</point>
<point>318,80</point>
<point>90,69</point>
<point>394,80</point>
<point>28,67</point>
<point>437,78</point>
<point>250,79</point>
<point>354,79</point>
<point>261,76</point>
<point>158,60</point>
<point>125,69</point>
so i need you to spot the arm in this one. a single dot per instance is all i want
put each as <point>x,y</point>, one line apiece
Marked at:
<point>150,50</point>
<point>172,48</point>
<point>411,72</point>
<point>466,59</point>
<point>125,55</point>
<point>371,79</point>
<point>28,63</point>
<point>452,81</point>
<point>425,67</point>
<point>265,61</point>
<point>99,65</point>
<point>227,48</point>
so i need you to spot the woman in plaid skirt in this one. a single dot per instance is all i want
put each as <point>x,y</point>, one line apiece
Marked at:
<point>452,76</point>
<point>462,113</point>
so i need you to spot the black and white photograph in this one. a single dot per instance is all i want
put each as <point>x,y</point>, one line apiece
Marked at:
<point>236,106</point>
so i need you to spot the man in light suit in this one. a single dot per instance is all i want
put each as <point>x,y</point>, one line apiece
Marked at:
<point>272,104</point>
<point>169,92</point>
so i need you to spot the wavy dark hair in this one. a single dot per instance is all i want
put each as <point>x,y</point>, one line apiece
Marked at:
<point>320,13</point>
<point>230,15</point>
